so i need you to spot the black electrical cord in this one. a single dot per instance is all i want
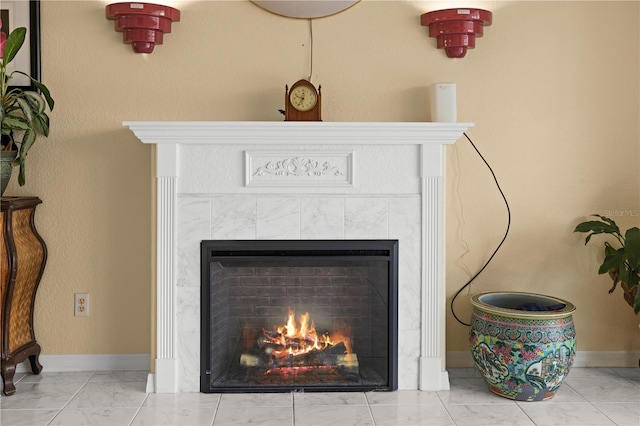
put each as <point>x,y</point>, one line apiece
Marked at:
<point>499,245</point>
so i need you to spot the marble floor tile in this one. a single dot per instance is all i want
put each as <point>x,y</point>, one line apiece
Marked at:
<point>263,416</point>
<point>492,414</point>
<point>178,409</point>
<point>94,416</point>
<point>627,373</point>
<point>327,415</point>
<point>591,372</point>
<point>470,391</point>
<point>634,381</point>
<point>236,400</point>
<point>58,377</point>
<point>590,396</point>
<point>621,413</point>
<point>40,396</point>
<point>575,414</point>
<point>411,415</point>
<point>605,389</point>
<point>27,417</point>
<point>630,374</point>
<point>402,397</point>
<point>174,415</point>
<point>330,398</point>
<point>187,400</point>
<point>110,395</point>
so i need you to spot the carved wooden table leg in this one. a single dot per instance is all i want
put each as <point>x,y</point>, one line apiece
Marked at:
<point>8,370</point>
<point>34,360</point>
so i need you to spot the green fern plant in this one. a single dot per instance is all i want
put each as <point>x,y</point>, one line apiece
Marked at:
<point>621,262</point>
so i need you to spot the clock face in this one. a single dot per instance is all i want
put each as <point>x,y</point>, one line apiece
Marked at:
<point>303,98</point>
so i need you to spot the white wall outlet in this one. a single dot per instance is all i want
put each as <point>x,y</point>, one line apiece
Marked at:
<point>81,305</point>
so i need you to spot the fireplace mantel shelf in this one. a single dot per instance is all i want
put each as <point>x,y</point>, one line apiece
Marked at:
<point>296,133</point>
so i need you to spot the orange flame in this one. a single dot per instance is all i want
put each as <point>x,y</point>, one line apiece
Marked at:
<point>298,340</point>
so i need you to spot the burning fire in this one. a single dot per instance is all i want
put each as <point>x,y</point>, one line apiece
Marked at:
<point>294,339</point>
<point>295,353</point>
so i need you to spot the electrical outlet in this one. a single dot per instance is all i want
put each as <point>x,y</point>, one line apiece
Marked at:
<point>81,305</point>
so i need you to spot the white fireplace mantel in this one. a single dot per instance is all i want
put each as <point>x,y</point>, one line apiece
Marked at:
<point>175,362</point>
<point>295,132</point>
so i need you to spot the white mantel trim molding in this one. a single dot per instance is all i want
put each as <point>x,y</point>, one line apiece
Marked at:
<point>431,137</point>
<point>295,132</point>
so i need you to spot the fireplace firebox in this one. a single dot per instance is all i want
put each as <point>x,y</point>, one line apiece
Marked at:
<point>291,315</point>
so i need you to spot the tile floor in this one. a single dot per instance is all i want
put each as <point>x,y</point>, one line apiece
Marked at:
<point>589,396</point>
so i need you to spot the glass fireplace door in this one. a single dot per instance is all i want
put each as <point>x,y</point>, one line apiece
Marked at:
<point>299,315</point>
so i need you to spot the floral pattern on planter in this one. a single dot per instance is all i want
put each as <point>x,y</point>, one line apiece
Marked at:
<point>525,358</point>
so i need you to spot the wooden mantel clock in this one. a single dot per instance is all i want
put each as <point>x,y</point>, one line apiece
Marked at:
<point>302,102</point>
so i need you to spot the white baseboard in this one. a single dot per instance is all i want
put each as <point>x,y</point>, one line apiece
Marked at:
<point>460,359</point>
<point>151,383</point>
<point>606,359</point>
<point>98,362</point>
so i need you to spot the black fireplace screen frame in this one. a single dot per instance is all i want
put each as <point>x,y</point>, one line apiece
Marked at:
<point>309,250</point>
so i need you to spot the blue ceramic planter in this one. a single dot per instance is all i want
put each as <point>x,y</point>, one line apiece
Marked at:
<point>523,355</point>
<point>6,158</point>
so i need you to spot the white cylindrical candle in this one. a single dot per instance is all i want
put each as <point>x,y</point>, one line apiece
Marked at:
<point>443,102</point>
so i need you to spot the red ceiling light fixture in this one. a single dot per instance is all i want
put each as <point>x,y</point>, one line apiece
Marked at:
<point>142,24</point>
<point>456,29</point>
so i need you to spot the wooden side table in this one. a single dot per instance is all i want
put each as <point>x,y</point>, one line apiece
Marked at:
<point>23,255</point>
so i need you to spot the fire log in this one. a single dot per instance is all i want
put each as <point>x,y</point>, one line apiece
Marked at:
<point>247,360</point>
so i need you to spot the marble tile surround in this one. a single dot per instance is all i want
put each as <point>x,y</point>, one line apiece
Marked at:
<point>297,217</point>
<point>205,190</point>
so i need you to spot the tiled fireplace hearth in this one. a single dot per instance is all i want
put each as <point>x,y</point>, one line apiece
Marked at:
<point>300,181</point>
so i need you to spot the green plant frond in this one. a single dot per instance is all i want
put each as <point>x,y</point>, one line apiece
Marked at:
<point>13,44</point>
<point>27,142</point>
<point>621,264</point>
<point>586,240</point>
<point>598,227</point>
<point>41,124</point>
<point>14,123</point>
<point>21,174</point>
<point>36,101</point>
<point>42,88</point>
<point>25,107</point>
<point>45,92</point>
<point>10,104</point>
<point>611,222</point>
<point>632,247</point>
<point>613,259</point>
<point>623,275</point>
<point>11,94</point>
<point>633,279</point>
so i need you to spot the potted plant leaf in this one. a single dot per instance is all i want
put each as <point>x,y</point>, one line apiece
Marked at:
<point>23,112</point>
<point>621,259</point>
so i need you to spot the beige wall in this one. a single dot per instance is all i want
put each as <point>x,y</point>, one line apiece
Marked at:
<point>552,87</point>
